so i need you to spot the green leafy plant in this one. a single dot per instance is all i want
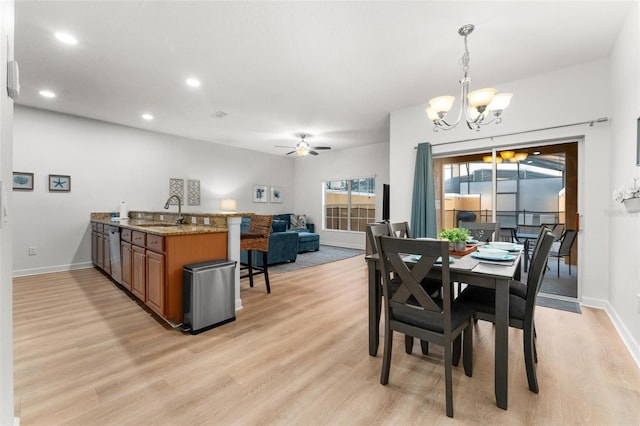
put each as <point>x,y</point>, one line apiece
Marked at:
<point>455,234</point>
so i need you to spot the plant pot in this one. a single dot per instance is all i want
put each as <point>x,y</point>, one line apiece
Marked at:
<point>459,245</point>
<point>632,205</point>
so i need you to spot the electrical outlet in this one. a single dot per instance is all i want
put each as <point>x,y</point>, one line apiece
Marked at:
<point>32,251</point>
<point>194,220</point>
<point>206,221</point>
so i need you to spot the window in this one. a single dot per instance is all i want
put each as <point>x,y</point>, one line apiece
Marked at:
<point>349,204</point>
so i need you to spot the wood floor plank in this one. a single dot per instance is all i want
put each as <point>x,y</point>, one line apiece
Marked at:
<point>87,353</point>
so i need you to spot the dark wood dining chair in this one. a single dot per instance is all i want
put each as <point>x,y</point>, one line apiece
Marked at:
<point>257,239</point>
<point>411,310</point>
<point>400,230</point>
<point>521,311</point>
<point>564,250</point>
<point>482,231</point>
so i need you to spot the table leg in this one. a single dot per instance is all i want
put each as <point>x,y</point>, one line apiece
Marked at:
<point>374,308</point>
<point>526,255</point>
<point>502,343</point>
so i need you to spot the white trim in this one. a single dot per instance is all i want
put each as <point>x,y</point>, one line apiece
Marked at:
<point>50,269</point>
<point>623,332</point>
<point>16,421</point>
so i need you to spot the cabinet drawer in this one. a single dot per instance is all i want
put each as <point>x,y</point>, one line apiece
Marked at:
<point>138,238</point>
<point>155,243</point>
<point>125,235</point>
<point>100,228</point>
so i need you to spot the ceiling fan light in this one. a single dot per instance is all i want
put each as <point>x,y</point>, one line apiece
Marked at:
<point>442,103</point>
<point>500,101</point>
<point>302,151</point>
<point>481,97</point>
<point>521,156</point>
<point>507,155</point>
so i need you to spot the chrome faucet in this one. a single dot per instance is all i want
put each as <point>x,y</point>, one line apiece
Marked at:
<point>180,219</point>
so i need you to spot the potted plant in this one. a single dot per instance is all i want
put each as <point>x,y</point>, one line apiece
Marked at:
<point>629,196</point>
<point>457,236</point>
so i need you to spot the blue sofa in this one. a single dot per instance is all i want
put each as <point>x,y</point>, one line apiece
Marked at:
<point>284,243</point>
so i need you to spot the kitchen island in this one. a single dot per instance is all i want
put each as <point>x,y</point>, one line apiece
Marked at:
<point>146,253</point>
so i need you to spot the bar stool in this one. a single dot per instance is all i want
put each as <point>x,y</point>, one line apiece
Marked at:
<point>257,239</point>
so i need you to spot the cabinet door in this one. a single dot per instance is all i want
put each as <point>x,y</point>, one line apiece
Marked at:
<point>106,253</point>
<point>94,247</point>
<point>155,282</point>
<point>138,276</point>
<point>100,250</point>
<point>125,256</point>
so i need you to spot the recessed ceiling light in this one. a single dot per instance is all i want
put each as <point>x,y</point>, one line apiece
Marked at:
<point>536,153</point>
<point>193,82</point>
<point>66,38</point>
<point>147,116</point>
<point>47,94</point>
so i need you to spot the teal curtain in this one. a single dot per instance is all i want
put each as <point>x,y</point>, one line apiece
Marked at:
<point>423,208</point>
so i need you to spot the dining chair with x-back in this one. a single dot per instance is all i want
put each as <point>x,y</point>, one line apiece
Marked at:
<point>411,310</point>
<point>521,311</point>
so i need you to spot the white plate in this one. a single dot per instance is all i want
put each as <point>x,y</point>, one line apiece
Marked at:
<point>485,256</point>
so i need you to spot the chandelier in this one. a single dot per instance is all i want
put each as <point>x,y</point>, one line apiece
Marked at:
<point>510,156</point>
<point>481,107</point>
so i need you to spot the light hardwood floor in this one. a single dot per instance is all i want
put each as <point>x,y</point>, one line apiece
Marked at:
<point>86,353</point>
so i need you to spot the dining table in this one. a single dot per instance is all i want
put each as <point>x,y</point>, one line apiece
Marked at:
<point>470,270</point>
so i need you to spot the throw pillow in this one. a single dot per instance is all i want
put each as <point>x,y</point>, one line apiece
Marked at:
<point>279,225</point>
<point>298,222</point>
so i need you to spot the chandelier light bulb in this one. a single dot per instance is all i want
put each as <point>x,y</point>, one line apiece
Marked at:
<point>500,101</point>
<point>481,97</point>
<point>442,103</point>
<point>433,116</point>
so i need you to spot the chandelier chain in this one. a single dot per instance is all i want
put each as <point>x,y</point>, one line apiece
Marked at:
<point>464,61</point>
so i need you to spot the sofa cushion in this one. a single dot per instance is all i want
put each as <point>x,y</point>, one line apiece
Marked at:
<point>279,226</point>
<point>298,221</point>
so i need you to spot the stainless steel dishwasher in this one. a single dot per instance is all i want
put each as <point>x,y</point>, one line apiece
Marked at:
<point>209,295</point>
<point>114,245</point>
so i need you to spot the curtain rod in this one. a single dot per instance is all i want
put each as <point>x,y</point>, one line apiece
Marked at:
<point>590,123</point>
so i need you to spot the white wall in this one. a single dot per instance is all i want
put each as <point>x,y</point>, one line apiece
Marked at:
<point>110,163</point>
<point>6,226</point>
<point>366,161</point>
<point>624,279</point>
<point>565,96</point>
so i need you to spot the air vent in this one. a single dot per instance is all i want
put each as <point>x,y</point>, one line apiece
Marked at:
<point>218,114</point>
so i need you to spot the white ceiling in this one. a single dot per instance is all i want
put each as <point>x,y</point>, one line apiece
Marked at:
<point>331,69</point>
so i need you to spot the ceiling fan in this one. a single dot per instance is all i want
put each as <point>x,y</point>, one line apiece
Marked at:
<point>303,148</point>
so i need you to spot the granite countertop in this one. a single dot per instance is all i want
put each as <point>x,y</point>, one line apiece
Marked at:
<point>161,228</point>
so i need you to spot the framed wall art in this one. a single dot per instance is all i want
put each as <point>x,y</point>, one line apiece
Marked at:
<point>59,183</point>
<point>276,194</point>
<point>22,181</point>
<point>259,194</point>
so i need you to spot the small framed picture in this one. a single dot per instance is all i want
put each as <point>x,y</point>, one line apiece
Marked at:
<point>259,194</point>
<point>22,181</point>
<point>59,183</point>
<point>276,194</point>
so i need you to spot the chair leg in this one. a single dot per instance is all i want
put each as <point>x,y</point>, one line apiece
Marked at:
<point>569,265</point>
<point>467,352</point>
<point>558,266</point>
<point>424,345</point>
<point>448,379</point>
<point>529,348</point>
<point>250,267</point>
<point>266,272</point>
<point>408,343</point>
<point>457,347</point>
<point>386,356</point>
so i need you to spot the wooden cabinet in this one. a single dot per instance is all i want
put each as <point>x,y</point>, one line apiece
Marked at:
<point>155,281</point>
<point>125,255</point>
<point>152,264</point>
<point>138,272</point>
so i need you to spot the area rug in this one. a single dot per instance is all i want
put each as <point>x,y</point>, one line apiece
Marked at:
<point>563,305</point>
<point>326,254</point>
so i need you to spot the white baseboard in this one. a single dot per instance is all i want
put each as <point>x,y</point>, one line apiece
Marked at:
<point>50,269</point>
<point>343,245</point>
<point>623,332</point>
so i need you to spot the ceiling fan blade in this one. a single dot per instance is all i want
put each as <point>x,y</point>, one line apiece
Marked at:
<point>320,148</point>
<point>282,146</point>
<point>313,153</point>
<point>289,152</point>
